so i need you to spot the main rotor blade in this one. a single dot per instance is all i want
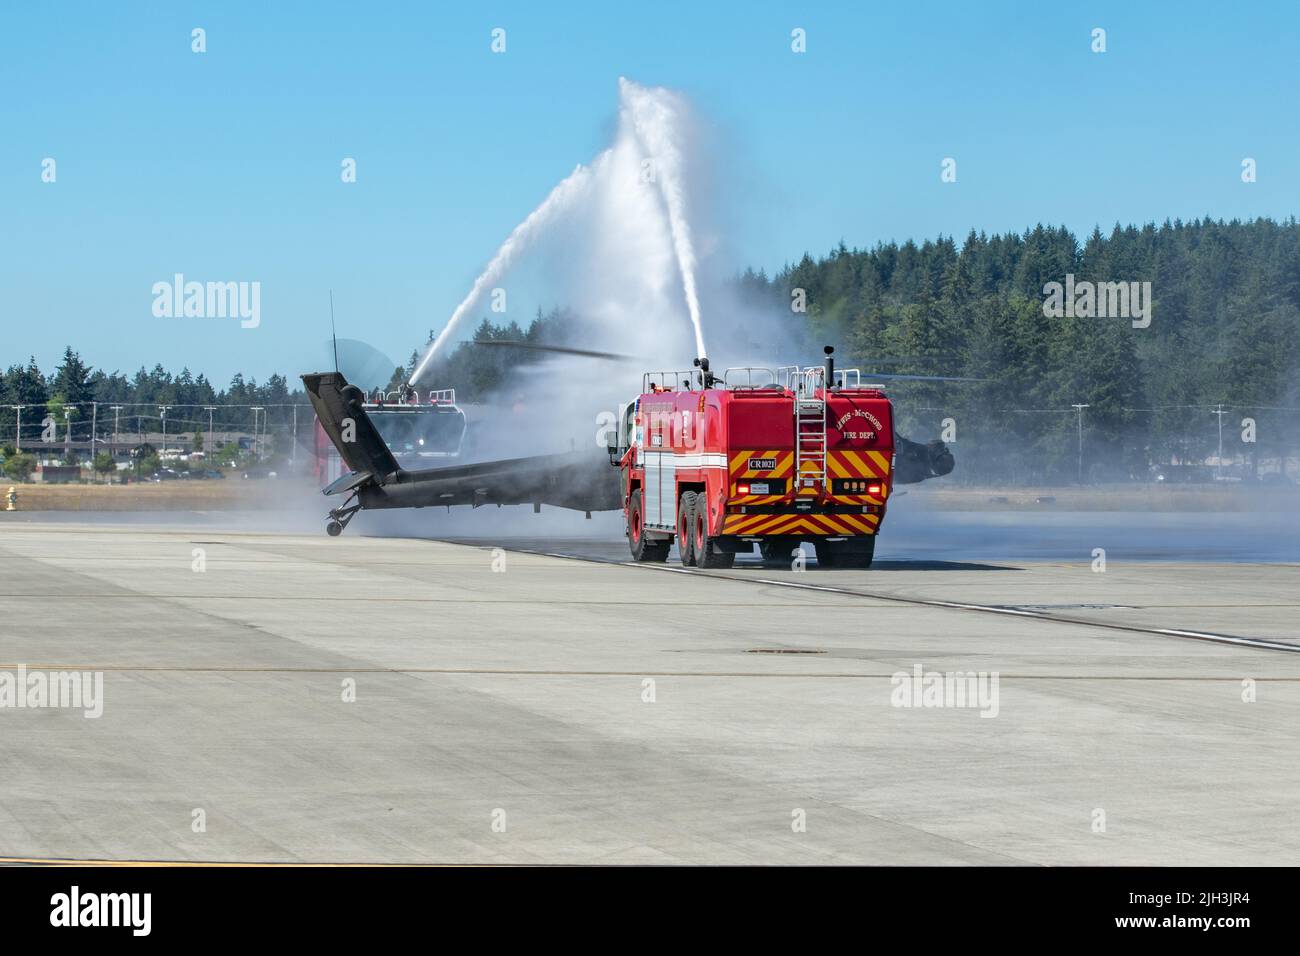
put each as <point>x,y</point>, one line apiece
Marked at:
<point>870,376</point>
<point>560,349</point>
<point>363,364</point>
<point>904,359</point>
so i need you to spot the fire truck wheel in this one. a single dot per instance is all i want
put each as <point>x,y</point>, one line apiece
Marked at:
<point>776,551</point>
<point>707,554</point>
<point>643,549</point>
<point>853,553</point>
<point>856,552</point>
<point>685,524</point>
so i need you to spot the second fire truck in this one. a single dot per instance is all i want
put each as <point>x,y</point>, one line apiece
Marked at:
<point>766,457</point>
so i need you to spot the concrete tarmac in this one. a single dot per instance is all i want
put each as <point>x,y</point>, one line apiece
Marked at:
<point>520,708</point>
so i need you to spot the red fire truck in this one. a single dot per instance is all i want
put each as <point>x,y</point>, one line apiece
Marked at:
<point>759,456</point>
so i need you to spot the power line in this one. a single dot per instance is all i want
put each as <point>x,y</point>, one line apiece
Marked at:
<point>155,404</point>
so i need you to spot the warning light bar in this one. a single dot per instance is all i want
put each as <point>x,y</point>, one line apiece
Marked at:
<point>857,486</point>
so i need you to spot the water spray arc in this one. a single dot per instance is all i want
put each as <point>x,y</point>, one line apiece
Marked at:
<point>656,118</point>
<point>650,135</point>
<point>559,198</point>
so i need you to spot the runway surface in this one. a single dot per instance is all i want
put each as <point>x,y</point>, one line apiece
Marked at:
<point>513,707</point>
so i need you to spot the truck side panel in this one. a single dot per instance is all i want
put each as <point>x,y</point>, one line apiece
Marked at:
<point>660,494</point>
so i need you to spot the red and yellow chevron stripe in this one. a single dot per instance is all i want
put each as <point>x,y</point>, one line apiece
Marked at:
<point>739,469</point>
<point>859,464</point>
<point>768,524</point>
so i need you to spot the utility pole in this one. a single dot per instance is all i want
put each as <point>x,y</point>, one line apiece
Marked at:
<point>211,437</point>
<point>116,440</point>
<point>18,434</point>
<point>257,434</point>
<point>293,447</point>
<point>1218,467</point>
<point>94,425</point>
<point>162,413</point>
<point>1079,409</point>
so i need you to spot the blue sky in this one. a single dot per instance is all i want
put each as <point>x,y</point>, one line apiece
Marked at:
<point>225,165</point>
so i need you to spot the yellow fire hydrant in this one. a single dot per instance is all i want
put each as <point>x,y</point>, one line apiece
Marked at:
<point>13,499</point>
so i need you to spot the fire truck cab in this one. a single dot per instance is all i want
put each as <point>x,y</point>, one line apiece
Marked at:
<point>756,456</point>
<point>419,429</point>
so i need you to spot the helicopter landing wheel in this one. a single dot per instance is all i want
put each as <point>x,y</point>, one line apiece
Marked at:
<point>339,518</point>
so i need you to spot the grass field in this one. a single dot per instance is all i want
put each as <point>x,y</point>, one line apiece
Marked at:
<point>231,494</point>
<point>240,494</point>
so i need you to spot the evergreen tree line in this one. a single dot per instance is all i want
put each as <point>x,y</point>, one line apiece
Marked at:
<point>1225,328</point>
<point>476,372</point>
<point>74,386</point>
<point>1224,336</point>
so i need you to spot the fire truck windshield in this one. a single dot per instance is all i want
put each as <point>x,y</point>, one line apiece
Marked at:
<point>420,430</point>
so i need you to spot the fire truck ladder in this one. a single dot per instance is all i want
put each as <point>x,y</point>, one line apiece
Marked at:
<point>809,429</point>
